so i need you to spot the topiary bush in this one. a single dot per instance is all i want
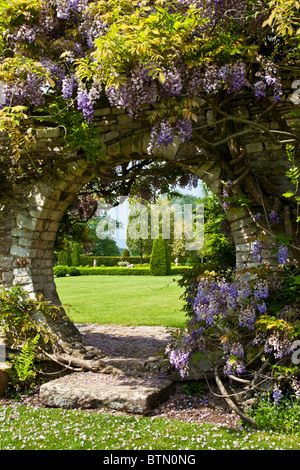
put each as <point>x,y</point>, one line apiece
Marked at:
<point>160,262</point>
<point>125,253</point>
<point>75,255</point>
<point>60,271</point>
<point>63,258</point>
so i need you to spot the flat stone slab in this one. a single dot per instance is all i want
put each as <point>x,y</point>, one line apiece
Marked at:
<point>86,390</point>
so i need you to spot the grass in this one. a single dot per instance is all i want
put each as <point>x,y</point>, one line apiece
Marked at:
<point>28,428</point>
<point>132,301</point>
<point>123,300</point>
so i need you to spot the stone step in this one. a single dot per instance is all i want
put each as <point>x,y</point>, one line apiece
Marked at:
<point>89,390</point>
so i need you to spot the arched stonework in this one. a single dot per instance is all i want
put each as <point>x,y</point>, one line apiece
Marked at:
<point>31,209</point>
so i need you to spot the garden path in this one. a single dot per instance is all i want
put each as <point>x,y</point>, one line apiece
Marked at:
<point>139,343</point>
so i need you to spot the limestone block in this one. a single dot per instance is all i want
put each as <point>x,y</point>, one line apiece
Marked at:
<point>26,242</point>
<point>56,215</point>
<point>114,149</point>
<point>24,233</point>
<point>126,145</point>
<point>244,248</point>
<point>20,251</point>
<point>49,236</point>
<point>118,110</point>
<point>236,213</point>
<point>256,147</point>
<point>89,390</point>
<point>124,118</point>
<point>48,133</point>
<point>241,112</point>
<point>53,226</point>
<point>102,112</point>
<point>110,136</point>
<point>25,222</point>
<point>138,142</point>
<point>242,224</point>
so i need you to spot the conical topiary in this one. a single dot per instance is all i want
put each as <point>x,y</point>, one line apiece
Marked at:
<point>160,263</point>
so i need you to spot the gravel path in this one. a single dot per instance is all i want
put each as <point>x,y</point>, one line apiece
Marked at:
<point>144,342</point>
<point>125,341</point>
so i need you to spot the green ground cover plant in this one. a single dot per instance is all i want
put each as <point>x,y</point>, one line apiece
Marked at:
<point>127,300</point>
<point>29,428</point>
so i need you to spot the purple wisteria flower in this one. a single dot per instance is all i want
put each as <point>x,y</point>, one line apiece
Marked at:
<point>257,217</point>
<point>261,290</point>
<point>261,307</point>
<point>247,317</point>
<point>274,217</point>
<point>260,89</point>
<point>68,84</point>
<point>277,394</point>
<point>279,346</point>
<point>256,250</point>
<point>282,255</point>
<point>179,359</point>
<point>84,103</point>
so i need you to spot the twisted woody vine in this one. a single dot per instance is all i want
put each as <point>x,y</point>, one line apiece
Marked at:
<point>178,58</point>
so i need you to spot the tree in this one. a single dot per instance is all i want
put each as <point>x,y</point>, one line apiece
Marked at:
<point>100,240</point>
<point>125,253</point>
<point>139,239</point>
<point>218,249</point>
<point>160,263</point>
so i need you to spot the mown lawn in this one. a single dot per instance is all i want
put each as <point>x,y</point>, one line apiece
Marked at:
<point>123,300</point>
<point>131,301</point>
<point>28,428</point>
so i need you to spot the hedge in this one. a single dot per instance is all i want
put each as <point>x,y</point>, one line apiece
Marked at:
<point>62,271</point>
<point>110,260</point>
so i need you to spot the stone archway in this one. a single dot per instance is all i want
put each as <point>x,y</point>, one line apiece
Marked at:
<point>31,209</point>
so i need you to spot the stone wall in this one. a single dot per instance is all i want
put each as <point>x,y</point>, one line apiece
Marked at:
<point>31,210</point>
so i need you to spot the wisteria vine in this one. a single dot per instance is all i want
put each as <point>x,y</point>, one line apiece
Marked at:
<point>233,323</point>
<point>71,27</point>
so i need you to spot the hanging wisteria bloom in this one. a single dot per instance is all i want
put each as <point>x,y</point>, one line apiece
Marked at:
<point>234,76</point>
<point>172,84</point>
<point>277,394</point>
<point>84,103</point>
<point>268,78</point>
<point>256,250</point>
<point>279,346</point>
<point>162,135</point>
<point>179,359</point>
<point>68,85</point>
<point>139,89</point>
<point>247,317</point>
<point>274,218</point>
<point>282,255</point>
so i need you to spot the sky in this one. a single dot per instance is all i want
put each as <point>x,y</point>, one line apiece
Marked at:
<point>121,213</point>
